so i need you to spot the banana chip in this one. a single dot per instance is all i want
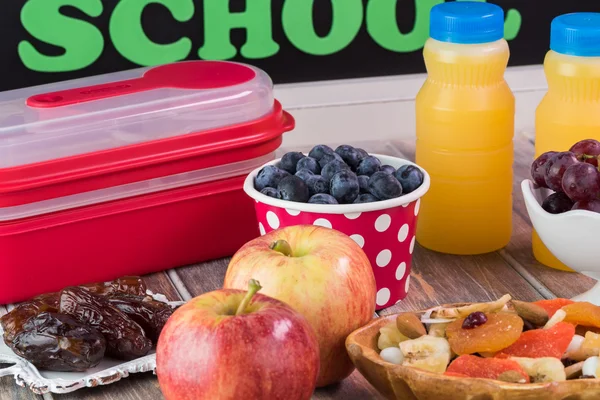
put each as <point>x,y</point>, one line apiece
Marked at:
<point>462,311</point>
<point>544,369</point>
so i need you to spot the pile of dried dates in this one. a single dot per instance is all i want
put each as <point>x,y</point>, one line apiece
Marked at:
<point>72,330</point>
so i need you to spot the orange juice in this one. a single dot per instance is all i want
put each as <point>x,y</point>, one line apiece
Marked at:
<point>570,110</point>
<point>465,128</point>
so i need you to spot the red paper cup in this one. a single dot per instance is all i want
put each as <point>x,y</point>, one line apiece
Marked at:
<point>385,230</point>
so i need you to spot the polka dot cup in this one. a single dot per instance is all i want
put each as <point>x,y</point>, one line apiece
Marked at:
<point>385,230</point>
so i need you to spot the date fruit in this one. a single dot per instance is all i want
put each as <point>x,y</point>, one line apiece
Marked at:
<point>58,342</point>
<point>151,315</point>
<point>13,322</point>
<point>127,284</point>
<point>125,338</point>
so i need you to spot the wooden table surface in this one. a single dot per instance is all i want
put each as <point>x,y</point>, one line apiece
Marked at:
<point>435,279</point>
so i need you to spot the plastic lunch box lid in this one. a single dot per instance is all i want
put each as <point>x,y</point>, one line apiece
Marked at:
<point>85,135</point>
<point>82,116</point>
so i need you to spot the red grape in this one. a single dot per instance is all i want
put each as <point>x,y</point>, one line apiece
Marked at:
<point>556,167</point>
<point>591,205</point>
<point>587,151</point>
<point>557,203</point>
<point>581,182</point>
<point>538,168</point>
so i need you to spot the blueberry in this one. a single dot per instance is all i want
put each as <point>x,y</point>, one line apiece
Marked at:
<point>269,176</point>
<point>289,160</point>
<point>410,177</point>
<point>388,169</point>
<point>329,170</point>
<point>293,188</point>
<point>363,183</point>
<point>365,198</point>
<point>310,164</point>
<point>317,184</point>
<point>344,187</point>
<point>363,153</point>
<point>349,155</point>
<point>368,166</point>
<point>327,158</point>
<point>269,191</point>
<point>304,174</point>
<point>319,151</point>
<point>322,198</point>
<point>384,186</point>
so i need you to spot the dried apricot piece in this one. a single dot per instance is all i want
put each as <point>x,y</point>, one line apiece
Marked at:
<point>552,305</point>
<point>489,368</point>
<point>498,332</point>
<point>582,313</point>
<point>539,343</point>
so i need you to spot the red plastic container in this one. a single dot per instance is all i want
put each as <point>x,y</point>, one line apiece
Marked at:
<point>130,173</point>
<point>385,230</point>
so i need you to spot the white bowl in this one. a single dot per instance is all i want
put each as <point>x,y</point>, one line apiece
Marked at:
<point>573,237</point>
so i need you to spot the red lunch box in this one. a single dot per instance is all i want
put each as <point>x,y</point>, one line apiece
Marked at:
<point>130,173</point>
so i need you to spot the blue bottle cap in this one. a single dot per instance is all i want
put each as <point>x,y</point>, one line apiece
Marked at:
<point>576,34</point>
<point>466,22</point>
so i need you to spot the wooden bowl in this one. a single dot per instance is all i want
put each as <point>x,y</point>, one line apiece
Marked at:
<point>407,383</point>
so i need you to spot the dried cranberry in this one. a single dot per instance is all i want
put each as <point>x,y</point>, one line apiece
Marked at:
<point>474,320</point>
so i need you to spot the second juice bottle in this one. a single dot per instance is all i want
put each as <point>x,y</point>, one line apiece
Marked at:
<point>465,128</point>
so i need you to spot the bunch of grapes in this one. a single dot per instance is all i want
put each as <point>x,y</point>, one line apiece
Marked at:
<point>573,175</point>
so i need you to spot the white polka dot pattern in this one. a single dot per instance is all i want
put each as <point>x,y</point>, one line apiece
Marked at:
<point>383,258</point>
<point>272,220</point>
<point>352,215</point>
<point>323,222</point>
<point>401,271</point>
<point>358,239</point>
<point>403,233</point>
<point>412,245</point>
<point>382,223</point>
<point>383,296</point>
<point>293,212</point>
<point>261,228</point>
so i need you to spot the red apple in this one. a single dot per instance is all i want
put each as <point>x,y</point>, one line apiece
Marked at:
<point>233,344</point>
<point>321,273</point>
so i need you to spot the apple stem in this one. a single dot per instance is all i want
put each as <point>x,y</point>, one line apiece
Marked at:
<point>253,287</point>
<point>283,247</point>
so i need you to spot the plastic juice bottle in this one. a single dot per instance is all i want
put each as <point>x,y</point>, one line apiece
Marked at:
<point>465,128</point>
<point>570,110</point>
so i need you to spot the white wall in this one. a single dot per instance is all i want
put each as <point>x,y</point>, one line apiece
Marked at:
<point>382,108</point>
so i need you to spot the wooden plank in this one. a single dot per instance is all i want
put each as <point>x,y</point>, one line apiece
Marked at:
<point>142,386</point>
<point>8,388</point>
<point>560,283</point>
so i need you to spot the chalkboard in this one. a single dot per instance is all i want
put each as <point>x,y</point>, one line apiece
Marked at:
<point>293,40</point>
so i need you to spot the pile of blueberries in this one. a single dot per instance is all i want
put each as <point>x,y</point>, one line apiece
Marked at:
<point>344,176</point>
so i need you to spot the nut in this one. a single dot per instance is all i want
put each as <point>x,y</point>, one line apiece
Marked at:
<point>410,325</point>
<point>512,377</point>
<point>574,371</point>
<point>558,316</point>
<point>531,312</point>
